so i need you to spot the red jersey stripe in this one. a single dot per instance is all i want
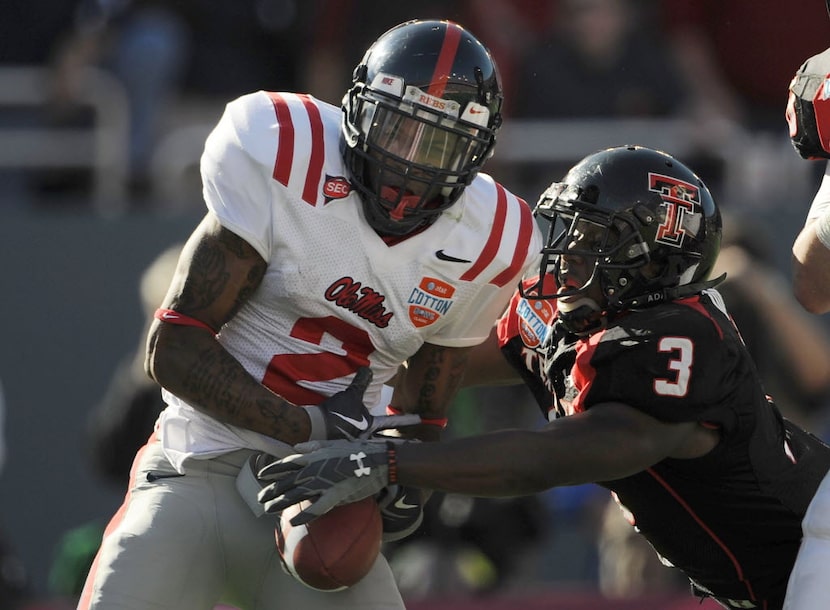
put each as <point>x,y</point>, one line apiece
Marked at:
<point>492,246</point>
<point>739,572</point>
<point>522,246</point>
<point>315,163</point>
<point>446,58</point>
<point>285,146</point>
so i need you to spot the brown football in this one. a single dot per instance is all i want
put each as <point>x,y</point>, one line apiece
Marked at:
<point>335,550</point>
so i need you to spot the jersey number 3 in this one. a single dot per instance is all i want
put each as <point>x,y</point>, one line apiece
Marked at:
<point>682,349</point>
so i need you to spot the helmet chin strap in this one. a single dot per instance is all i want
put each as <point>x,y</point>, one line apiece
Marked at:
<point>584,316</point>
<point>670,293</point>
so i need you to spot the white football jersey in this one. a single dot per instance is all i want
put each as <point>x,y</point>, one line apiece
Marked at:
<point>335,296</point>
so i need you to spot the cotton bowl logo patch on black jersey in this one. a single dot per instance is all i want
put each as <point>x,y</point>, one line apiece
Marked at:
<point>430,300</point>
<point>534,321</point>
<point>682,203</point>
<point>336,187</point>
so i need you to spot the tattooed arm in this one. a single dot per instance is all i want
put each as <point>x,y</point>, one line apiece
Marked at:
<point>428,384</point>
<point>216,274</point>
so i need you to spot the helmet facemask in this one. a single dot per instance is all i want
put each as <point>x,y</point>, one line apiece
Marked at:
<point>609,243</point>
<point>413,160</point>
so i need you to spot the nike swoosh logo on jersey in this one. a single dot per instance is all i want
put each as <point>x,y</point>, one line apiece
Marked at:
<point>446,257</point>
<point>360,424</point>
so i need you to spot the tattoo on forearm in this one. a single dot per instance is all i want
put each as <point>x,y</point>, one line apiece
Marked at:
<point>280,426</point>
<point>209,383</point>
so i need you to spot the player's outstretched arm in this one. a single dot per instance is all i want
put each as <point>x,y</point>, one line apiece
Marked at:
<point>608,442</point>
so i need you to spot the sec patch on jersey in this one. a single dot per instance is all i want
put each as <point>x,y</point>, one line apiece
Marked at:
<point>335,550</point>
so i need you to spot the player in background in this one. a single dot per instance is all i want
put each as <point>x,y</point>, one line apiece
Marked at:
<point>338,243</point>
<point>808,117</point>
<point>647,385</point>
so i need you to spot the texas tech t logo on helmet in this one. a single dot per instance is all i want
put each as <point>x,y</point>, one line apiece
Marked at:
<point>679,199</point>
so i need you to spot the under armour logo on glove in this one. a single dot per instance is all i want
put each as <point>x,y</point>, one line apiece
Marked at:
<point>327,473</point>
<point>361,470</point>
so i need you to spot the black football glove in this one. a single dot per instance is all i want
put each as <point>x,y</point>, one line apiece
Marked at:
<point>344,416</point>
<point>402,511</point>
<point>808,108</point>
<point>328,473</point>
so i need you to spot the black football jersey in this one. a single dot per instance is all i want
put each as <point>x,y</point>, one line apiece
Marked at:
<point>731,520</point>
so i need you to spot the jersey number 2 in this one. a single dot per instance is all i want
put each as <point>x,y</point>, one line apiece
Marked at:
<point>681,365</point>
<point>286,371</point>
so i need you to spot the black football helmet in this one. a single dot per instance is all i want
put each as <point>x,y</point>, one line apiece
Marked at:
<point>419,122</point>
<point>655,226</point>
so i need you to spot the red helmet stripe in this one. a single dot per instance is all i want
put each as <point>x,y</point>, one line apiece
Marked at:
<point>285,146</point>
<point>446,58</point>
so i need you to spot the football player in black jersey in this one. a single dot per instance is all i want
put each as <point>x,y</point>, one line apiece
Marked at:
<point>648,388</point>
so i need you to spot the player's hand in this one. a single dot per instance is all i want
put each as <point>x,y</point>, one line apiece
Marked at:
<point>327,473</point>
<point>344,416</point>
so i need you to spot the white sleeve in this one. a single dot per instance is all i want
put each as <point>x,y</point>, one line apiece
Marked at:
<point>821,201</point>
<point>236,167</point>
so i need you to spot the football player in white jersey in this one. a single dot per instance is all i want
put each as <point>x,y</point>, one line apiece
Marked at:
<point>337,241</point>
<point>808,117</point>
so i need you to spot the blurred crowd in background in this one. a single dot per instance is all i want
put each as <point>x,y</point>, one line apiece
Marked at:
<point>161,72</point>
<point>145,80</point>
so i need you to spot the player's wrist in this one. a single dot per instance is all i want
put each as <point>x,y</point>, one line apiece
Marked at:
<point>391,463</point>
<point>318,431</point>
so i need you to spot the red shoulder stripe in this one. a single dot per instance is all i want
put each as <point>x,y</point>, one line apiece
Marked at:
<point>315,164</point>
<point>285,146</point>
<point>522,246</point>
<point>694,303</point>
<point>492,246</point>
<point>446,58</point>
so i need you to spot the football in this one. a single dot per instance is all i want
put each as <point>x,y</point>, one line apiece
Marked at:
<point>335,550</point>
